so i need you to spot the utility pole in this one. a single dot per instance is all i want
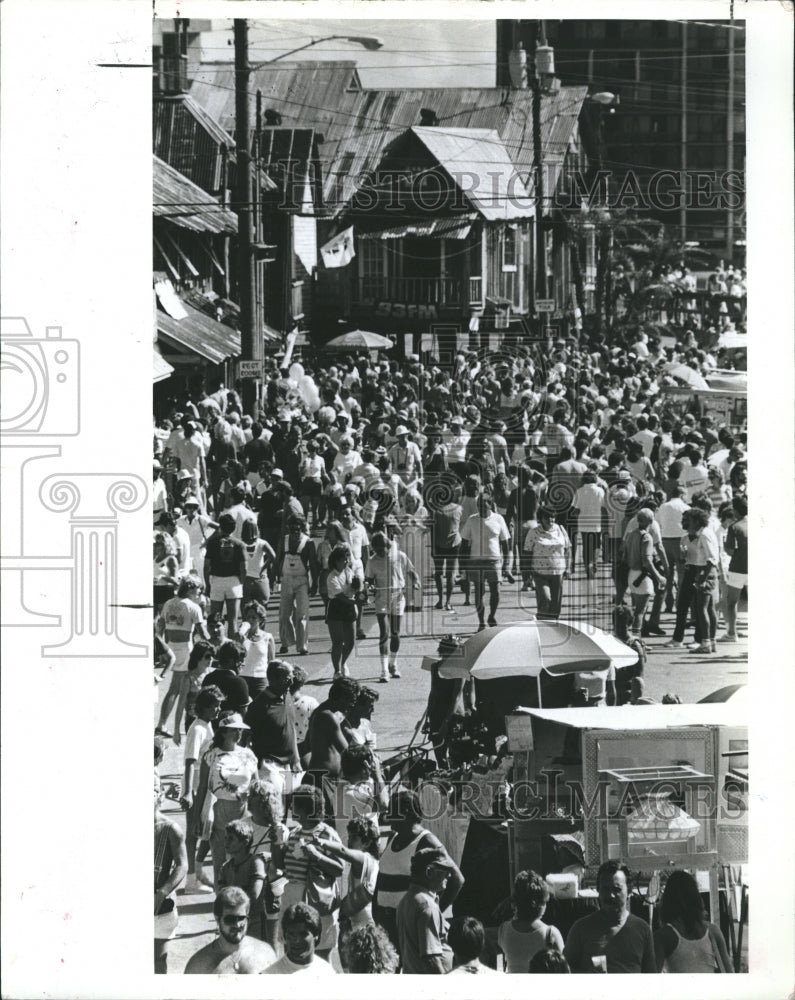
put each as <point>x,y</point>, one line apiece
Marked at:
<point>251,344</point>
<point>730,145</point>
<point>683,135</point>
<point>541,246</point>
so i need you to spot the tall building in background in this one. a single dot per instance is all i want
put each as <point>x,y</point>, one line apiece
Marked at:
<point>681,91</point>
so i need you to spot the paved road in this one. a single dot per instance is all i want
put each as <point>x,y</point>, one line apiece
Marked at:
<point>402,702</point>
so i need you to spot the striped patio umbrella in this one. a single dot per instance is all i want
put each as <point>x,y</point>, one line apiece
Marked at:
<point>362,340</point>
<point>525,649</point>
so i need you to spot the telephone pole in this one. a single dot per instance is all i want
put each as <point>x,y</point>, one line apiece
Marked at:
<point>250,341</point>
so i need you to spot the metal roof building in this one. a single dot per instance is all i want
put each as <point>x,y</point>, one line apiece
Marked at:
<point>358,124</point>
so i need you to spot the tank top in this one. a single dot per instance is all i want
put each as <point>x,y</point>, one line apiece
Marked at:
<point>691,956</point>
<point>394,872</point>
<point>293,565</point>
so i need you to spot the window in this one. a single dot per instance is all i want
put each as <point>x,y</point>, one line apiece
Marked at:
<point>509,249</point>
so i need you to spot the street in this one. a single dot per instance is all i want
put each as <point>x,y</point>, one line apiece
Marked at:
<point>402,701</point>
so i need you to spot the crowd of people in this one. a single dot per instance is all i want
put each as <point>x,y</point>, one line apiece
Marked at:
<point>359,485</point>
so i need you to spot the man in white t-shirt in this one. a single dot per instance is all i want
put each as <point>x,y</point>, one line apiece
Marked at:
<point>198,527</point>
<point>487,537</point>
<point>694,477</point>
<point>589,502</point>
<point>644,436</point>
<point>669,518</point>
<point>301,932</point>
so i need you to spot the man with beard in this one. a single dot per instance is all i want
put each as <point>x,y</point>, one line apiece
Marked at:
<point>233,952</point>
<point>611,939</point>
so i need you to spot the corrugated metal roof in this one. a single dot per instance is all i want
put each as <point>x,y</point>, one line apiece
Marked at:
<point>305,93</point>
<point>188,138</point>
<point>183,203</point>
<point>200,334</point>
<point>289,156</point>
<point>479,164</point>
<point>358,124</point>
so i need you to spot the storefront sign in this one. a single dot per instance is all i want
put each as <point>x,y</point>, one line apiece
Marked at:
<point>407,310</point>
<point>249,369</point>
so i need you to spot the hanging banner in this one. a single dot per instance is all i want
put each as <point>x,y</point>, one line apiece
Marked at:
<point>339,251</point>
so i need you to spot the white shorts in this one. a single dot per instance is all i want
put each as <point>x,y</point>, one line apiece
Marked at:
<point>225,588</point>
<point>394,605</point>
<point>646,587</point>
<point>181,651</point>
<point>736,580</point>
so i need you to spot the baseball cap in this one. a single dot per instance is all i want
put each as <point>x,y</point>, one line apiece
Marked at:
<point>277,473</point>
<point>428,856</point>
<point>624,475</point>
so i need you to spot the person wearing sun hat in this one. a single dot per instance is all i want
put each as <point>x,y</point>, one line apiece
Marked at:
<point>404,456</point>
<point>227,770</point>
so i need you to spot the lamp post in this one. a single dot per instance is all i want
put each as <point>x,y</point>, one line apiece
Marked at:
<point>251,343</point>
<point>369,42</point>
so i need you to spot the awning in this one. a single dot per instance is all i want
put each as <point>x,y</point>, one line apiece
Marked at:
<point>448,229</point>
<point>200,334</point>
<point>645,717</point>
<point>161,369</point>
<point>183,203</point>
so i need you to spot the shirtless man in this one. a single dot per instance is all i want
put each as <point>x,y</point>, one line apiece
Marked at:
<point>326,737</point>
<point>232,953</point>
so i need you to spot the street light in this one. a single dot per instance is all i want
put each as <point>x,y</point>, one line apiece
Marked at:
<point>251,344</point>
<point>369,42</point>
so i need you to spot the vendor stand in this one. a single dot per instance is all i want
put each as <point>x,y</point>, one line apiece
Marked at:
<point>652,786</point>
<point>724,397</point>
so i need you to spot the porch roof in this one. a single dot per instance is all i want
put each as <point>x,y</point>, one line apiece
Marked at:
<point>479,163</point>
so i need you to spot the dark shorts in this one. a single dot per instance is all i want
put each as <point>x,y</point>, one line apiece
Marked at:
<point>311,488</point>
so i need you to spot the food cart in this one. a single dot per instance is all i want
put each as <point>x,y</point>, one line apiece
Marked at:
<point>653,786</point>
<point>725,399</point>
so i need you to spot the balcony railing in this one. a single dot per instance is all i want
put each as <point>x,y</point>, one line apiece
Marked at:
<point>412,291</point>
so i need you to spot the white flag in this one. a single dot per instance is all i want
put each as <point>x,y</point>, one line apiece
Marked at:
<point>339,251</point>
